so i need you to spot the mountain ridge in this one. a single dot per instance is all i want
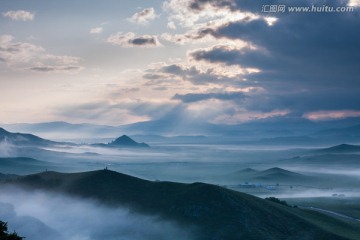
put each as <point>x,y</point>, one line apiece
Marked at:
<point>24,139</point>
<point>341,148</point>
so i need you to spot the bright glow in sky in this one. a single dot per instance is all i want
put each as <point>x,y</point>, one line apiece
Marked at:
<point>217,61</point>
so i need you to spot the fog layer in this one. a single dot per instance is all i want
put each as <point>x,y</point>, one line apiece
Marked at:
<point>41,216</point>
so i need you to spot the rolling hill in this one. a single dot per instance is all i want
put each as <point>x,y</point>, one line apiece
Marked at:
<point>342,148</point>
<point>278,174</point>
<point>215,212</point>
<point>344,160</point>
<point>270,175</point>
<point>22,139</point>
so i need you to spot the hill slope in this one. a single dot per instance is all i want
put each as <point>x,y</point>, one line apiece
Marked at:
<point>270,175</point>
<point>217,212</point>
<point>342,148</point>
<point>22,139</point>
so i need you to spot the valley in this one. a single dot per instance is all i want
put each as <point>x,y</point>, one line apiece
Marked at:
<point>190,184</point>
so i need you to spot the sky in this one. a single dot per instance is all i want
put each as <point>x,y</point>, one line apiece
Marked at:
<point>212,61</point>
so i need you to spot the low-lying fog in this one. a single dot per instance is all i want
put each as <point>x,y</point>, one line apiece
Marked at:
<point>188,163</point>
<point>43,216</point>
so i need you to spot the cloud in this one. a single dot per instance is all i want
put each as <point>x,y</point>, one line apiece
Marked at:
<point>239,116</point>
<point>195,97</point>
<point>144,16</point>
<point>28,56</point>
<point>55,69</point>
<point>171,25</point>
<point>45,215</point>
<point>244,57</point>
<point>96,30</point>
<point>354,3</point>
<point>226,111</point>
<point>18,52</point>
<point>199,5</point>
<point>194,74</point>
<point>19,15</point>
<point>190,14</point>
<point>300,68</point>
<point>121,110</point>
<point>331,115</point>
<point>130,40</point>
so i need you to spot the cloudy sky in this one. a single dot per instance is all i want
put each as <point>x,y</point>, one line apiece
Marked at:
<point>218,61</point>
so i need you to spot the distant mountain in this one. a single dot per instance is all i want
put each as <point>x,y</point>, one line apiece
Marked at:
<point>277,170</point>
<point>22,139</point>
<point>342,148</point>
<point>279,174</point>
<point>212,212</point>
<point>64,130</point>
<point>345,160</point>
<point>275,130</point>
<point>247,171</point>
<point>269,175</point>
<point>125,141</point>
<point>345,131</point>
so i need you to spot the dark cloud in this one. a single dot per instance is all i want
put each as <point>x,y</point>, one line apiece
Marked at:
<point>308,61</point>
<point>300,102</point>
<point>192,74</point>
<point>131,40</point>
<point>198,5</point>
<point>195,97</point>
<point>143,41</point>
<point>54,68</point>
<point>244,57</point>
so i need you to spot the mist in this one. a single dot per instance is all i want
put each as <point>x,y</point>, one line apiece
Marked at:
<point>6,149</point>
<point>39,215</point>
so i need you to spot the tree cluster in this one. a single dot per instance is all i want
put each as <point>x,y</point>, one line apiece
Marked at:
<point>5,235</point>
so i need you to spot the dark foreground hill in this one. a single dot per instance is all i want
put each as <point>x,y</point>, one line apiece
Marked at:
<point>215,212</point>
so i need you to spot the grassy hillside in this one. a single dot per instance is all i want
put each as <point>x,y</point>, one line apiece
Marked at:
<point>216,212</point>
